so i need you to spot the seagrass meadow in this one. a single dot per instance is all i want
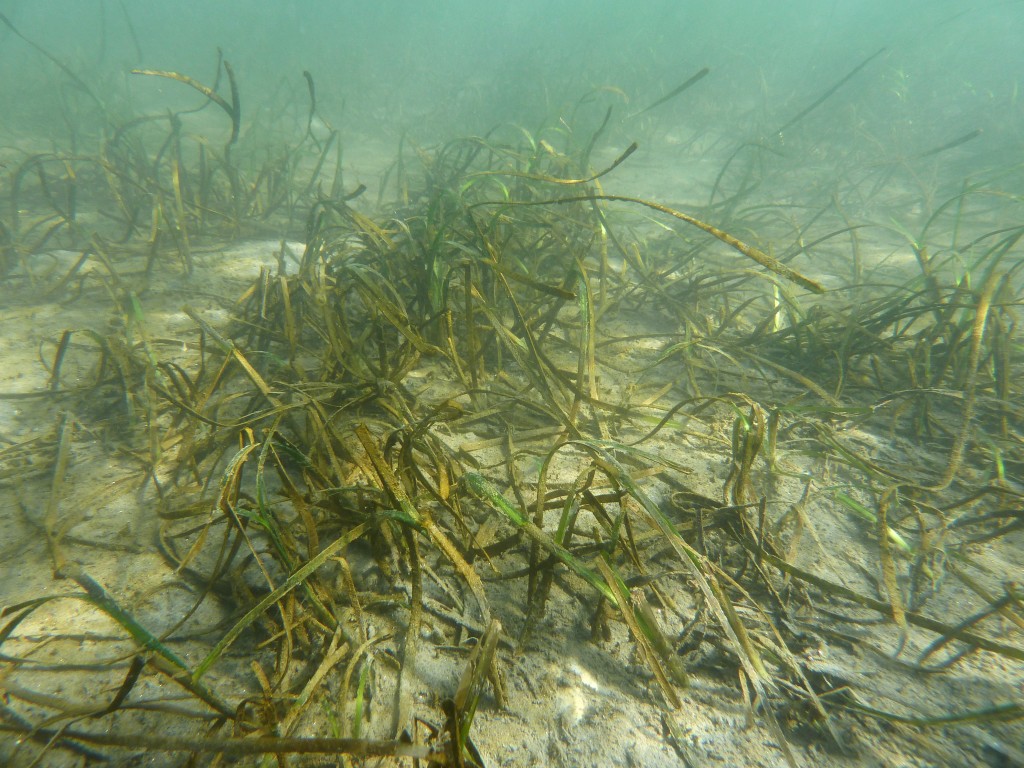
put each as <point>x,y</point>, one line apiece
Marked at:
<point>556,415</point>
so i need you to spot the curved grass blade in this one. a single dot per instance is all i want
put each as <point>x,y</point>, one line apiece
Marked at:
<point>762,258</point>
<point>233,109</point>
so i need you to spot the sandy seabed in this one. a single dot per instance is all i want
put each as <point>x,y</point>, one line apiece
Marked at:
<point>571,700</point>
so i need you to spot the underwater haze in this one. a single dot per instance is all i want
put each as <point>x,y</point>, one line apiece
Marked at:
<point>946,70</point>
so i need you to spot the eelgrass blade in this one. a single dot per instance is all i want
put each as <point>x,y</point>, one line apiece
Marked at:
<point>718,602</point>
<point>981,314</point>
<point>238,747</point>
<point>889,497</point>
<point>653,647</point>
<point>166,660</point>
<point>969,136</point>
<point>479,666</point>
<point>233,109</point>
<point>762,258</point>
<point>821,99</point>
<point>402,501</point>
<point>60,64</point>
<point>294,580</point>
<point>65,430</point>
<point>916,619</point>
<point>334,655</point>
<point>488,493</point>
<point>689,83</point>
